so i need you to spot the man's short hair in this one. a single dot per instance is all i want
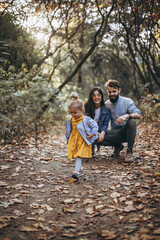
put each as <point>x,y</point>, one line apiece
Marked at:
<point>113,83</point>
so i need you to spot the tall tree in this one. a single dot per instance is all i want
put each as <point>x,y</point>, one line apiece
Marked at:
<point>138,21</point>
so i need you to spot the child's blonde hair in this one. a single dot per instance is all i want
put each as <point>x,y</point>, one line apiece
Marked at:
<point>76,102</point>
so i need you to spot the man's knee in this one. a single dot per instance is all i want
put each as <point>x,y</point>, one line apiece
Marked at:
<point>131,123</point>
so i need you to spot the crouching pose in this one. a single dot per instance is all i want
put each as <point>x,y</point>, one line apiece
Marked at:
<point>123,125</point>
<point>81,132</point>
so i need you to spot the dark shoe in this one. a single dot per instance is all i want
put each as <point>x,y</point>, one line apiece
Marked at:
<point>129,156</point>
<point>117,150</point>
<point>77,175</point>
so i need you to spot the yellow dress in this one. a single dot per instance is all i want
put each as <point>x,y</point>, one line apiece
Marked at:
<point>77,147</point>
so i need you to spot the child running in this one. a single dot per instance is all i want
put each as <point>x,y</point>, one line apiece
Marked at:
<point>81,132</point>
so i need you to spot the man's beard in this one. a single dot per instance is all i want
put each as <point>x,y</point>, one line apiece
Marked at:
<point>113,100</point>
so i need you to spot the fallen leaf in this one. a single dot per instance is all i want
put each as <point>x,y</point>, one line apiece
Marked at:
<point>129,208</point>
<point>140,206</point>
<point>2,183</point>
<point>99,194</point>
<point>32,218</point>
<point>105,190</point>
<point>45,228</point>
<point>107,234</point>
<point>97,171</point>
<point>42,236</point>
<point>89,210</point>
<point>70,225</point>
<point>106,211</point>
<point>99,207</point>
<point>40,185</point>
<point>143,230</point>
<point>87,201</point>
<point>24,192</point>
<point>141,194</point>
<point>69,209</point>
<point>34,205</point>
<point>137,184</point>
<point>6,204</point>
<point>4,167</point>
<point>41,219</point>
<point>121,199</point>
<point>115,195</point>
<point>82,233</point>
<point>146,237</point>
<point>72,180</point>
<point>7,218</point>
<point>17,200</point>
<point>25,228</point>
<point>115,200</point>
<point>69,200</point>
<point>156,231</point>
<point>44,171</point>
<point>3,225</point>
<point>32,173</point>
<point>66,191</point>
<point>90,191</point>
<point>156,174</point>
<point>68,235</point>
<point>46,206</point>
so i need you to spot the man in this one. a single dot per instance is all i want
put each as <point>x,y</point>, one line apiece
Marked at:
<point>123,126</point>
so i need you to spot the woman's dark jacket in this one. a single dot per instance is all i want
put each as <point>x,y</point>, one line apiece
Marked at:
<point>104,118</point>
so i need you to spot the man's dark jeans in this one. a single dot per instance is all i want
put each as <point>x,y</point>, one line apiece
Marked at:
<point>126,133</point>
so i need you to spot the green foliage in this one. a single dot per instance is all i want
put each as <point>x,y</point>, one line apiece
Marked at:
<point>32,71</point>
<point>150,107</point>
<point>22,99</point>
<point>16,45</point>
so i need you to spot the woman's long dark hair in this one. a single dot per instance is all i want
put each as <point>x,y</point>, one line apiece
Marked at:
<point>89,105</point>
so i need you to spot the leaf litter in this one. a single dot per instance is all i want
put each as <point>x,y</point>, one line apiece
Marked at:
<point>114,201</point>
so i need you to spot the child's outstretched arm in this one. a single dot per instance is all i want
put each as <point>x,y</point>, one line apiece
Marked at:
<point>89,136</point>
<point>93,127</point>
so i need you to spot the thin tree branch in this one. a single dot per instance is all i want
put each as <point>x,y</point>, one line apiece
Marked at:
<point>97,38</point>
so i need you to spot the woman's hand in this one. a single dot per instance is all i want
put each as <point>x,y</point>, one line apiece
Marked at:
<point>89,136</point>
<point>101,136</point>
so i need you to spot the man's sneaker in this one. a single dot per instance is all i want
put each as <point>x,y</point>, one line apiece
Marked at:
<point>77,175</point>
<point>117,150</point>
<point>129,156</point>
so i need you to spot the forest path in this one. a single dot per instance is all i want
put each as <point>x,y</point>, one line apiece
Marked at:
<point>112,201</point>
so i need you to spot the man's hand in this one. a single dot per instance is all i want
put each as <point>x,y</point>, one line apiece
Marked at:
<point>89,136</point>
<point>101,136</point>
<point>122,119</point>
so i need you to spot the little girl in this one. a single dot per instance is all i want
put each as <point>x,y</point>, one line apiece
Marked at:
<point>81,132</point>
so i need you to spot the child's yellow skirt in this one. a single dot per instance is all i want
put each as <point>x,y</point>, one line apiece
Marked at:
<point>77,147</point>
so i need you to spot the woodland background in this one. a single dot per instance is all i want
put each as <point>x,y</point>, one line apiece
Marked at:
<point>50,48</point>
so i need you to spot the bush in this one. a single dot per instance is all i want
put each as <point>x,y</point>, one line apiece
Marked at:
<point>150,108</point>
<point>22,99</point>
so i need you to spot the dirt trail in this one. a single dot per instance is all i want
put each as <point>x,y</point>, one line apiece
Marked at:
<point>112,201</point>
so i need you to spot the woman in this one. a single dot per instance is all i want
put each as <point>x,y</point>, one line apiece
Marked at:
<point>96,109</point>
